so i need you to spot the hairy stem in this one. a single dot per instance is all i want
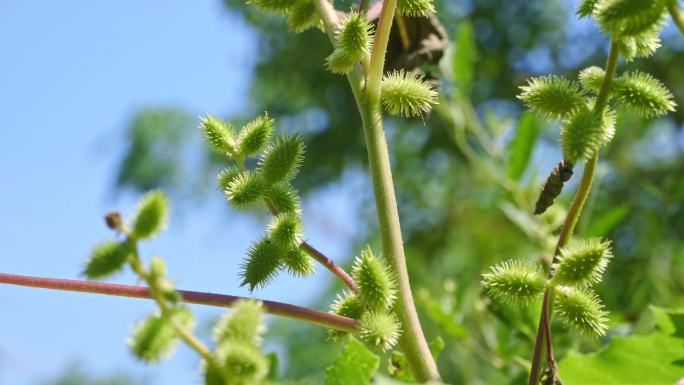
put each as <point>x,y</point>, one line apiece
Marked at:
<point>571,219</point>
<point>677,14</point>
<point>186,335</point>
<point>316,317</point>
<point>367,96</point>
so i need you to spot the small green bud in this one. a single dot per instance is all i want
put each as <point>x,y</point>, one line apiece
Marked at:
<point>405,93</point>
<point>376,283</point>
<point>281,160</point>
<point>154,338</point>
<point>242,324</point>
<point>584,133</point>
<point>516,281</point>
<point>245,189</point>
<point>591,78</point>
<point>151,215</point>
<point>581,309</point>
<point>380,329</point>
<point>582,263</point>
<point>261,265</point>
<point>157,268</point>
<point>644,94</point>
<point>285,230</point>
<point>255,135</point>
<point>298,263</point>
<point>415,8</point>
<point>219,134</point>
<point>227,176</point>
<point>552,96</point>
<point>106,259</point>
<point>629,17</point>
<point>346,304</point>
<point>353,41</point>
<point>283,197</point>
<point>303,15</point>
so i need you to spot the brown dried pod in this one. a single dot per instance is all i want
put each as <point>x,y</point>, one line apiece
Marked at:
<point>114,220</point>
<point>552,187</point>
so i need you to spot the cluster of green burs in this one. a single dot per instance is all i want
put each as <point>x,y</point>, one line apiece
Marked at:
<point>586,126</point>
<point>635,26</point>
<point>402,93</point>
<point>281,248</point>
<point>236,357</point>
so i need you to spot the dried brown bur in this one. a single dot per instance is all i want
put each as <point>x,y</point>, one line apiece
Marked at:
<point>552,187</point>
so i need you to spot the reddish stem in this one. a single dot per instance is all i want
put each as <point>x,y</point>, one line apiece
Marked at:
<point>201,298</point>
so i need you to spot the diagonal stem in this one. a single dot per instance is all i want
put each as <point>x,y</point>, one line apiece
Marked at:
<point>543,331</point>
<point>195,297</point>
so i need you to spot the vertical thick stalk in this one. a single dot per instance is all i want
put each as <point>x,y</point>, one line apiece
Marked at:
<point>367,96</point>
<point>543,330</point>
<point>412,342</point>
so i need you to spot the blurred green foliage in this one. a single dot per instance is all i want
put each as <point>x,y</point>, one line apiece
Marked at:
<point>467,176</point>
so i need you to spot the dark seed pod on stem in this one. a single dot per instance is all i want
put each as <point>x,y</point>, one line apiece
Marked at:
<point>552,187</point>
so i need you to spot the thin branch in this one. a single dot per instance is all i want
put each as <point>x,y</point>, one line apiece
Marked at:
<point>195,297</point>
<point>677,14</point>
<point>572,217</point>
<point>327,262</point>
<point>330,265</point>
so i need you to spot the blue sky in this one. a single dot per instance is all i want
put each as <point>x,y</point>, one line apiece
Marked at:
<point>71,76</point>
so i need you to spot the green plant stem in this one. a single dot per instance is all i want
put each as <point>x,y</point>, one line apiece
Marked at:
<point>315,317</point>
<point>367,97</point>
<point>543,330</point>
<point>186,335</point>
<point>677,14</point>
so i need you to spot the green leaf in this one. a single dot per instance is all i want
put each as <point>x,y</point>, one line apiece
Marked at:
<point>106,259</point>
<point>274,6</point>
<point>463,60</point>
<point>273,366</point>
<point>354,366</point>
<point>520,148</point>
<point>255,135</point>
<point>652,359</point>
<point>606,221</point>
<point>151,215</point>
<point>281,160</point>
<point>586,8</point>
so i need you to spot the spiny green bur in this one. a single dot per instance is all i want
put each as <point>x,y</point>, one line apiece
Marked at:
<point>151,215</point>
